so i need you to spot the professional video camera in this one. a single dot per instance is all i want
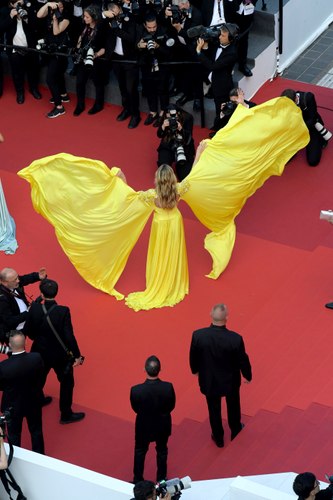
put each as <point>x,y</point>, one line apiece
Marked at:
<point>150,39</point>
<point>208,34</point>
<point>173,486</point>
<point>21,8</point>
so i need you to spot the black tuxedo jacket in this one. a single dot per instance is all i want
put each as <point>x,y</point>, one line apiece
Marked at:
<point>218,356</point>
<point>153,402</point>
<point>230,9</point>
<point>21,382</point>
<point>221,69</point>
<point>44,341</point>
<point>10,315</point>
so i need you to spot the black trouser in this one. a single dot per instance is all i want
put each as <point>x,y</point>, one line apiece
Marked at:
<point>55,77</point>
<point>66,384</point>
<point>34,421</point>
<point>314,147</point>
<point>98,73</point>
<point>215,414</point>
<point>156,87</point>
<point>244,23</point>
<point>140,451</point>
<point>24,64</point>
<point>168,155</point>
<point>128,80</point>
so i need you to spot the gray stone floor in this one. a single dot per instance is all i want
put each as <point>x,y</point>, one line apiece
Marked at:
<point>315,65</point>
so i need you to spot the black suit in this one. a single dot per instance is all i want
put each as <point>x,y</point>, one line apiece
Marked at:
<point>153,402</point>
<point>127,73</point>
<point>46,343</point>
<point>21,383</point>
<point>244,23</point>
<point>230,8</point>
<point>221,69</point>
<point>10,315</point>
<point>218,356</point>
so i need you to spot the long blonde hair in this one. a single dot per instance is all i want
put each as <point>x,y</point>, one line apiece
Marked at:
<point>166,186</point>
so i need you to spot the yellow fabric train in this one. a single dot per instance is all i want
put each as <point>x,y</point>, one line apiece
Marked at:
<point>98,218</point>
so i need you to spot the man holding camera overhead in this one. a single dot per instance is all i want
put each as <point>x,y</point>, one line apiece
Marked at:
<point>219,59</point>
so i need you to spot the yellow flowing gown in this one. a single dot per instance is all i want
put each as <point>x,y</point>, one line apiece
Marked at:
<point>98,218</point>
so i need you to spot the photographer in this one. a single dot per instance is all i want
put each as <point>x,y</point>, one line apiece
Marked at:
<point>122,29</point>
<point>228,108</point>
<point>14,303</point>
<point>50,327</point>
<point>19,23</point>
<point>188,77</point>
<point>146,490</point>
<point>89,62</point>
<point>177,143</point>
<point>57,17</point>
<point>307,487</point>
<point>154,48</point>
<point>319,136</point>
<point>219,58</point>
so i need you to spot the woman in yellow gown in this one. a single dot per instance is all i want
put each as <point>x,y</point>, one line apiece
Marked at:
<point>98,218</point>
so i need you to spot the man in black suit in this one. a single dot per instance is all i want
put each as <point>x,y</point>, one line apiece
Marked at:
<point>319,136</point>
<point>218,356</point>
<point>153,402</point>
<point>121,41</point>
<point>21,380</point>
<point>53,351</point>
<point>13,301</point>
<point>219,60</point>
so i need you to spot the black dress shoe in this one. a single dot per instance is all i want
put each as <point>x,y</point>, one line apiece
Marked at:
<point>123,115</point>
<point>245,70</point>
<point>95,109</point>
<point>72,418</point>
<point>150,119</point>
<point>46,400</point>
<point>196,105</point>
<point>329,305</point>
<point>134,121</point>
<point>234,434</point>
<point>36,94</point>
<point>20,97</point>
<point>219,442</point>
<point>78,110</point>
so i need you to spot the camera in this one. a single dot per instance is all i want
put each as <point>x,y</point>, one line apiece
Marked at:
<point>228,108</point>
<point>89,59</point>
<point>21,11</point>
<point>5,418</point>
<point>55,12</point>
<point>208,34</point>
<point>51,49</point>
<point>115,21</point>
<point>4,349</point>
<point>326,134</point>
<point>173,486</point>
<point>178,15</point>
<point>326,215</point>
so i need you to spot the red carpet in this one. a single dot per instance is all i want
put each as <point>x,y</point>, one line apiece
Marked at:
<point>276,286</point>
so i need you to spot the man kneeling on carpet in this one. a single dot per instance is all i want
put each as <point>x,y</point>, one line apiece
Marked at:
<point>50,327</point>
<point>307,487</point>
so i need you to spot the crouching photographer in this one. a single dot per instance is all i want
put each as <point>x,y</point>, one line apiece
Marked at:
<point>177,145</point>
<point>168,490</point>
<point>307,487</point>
